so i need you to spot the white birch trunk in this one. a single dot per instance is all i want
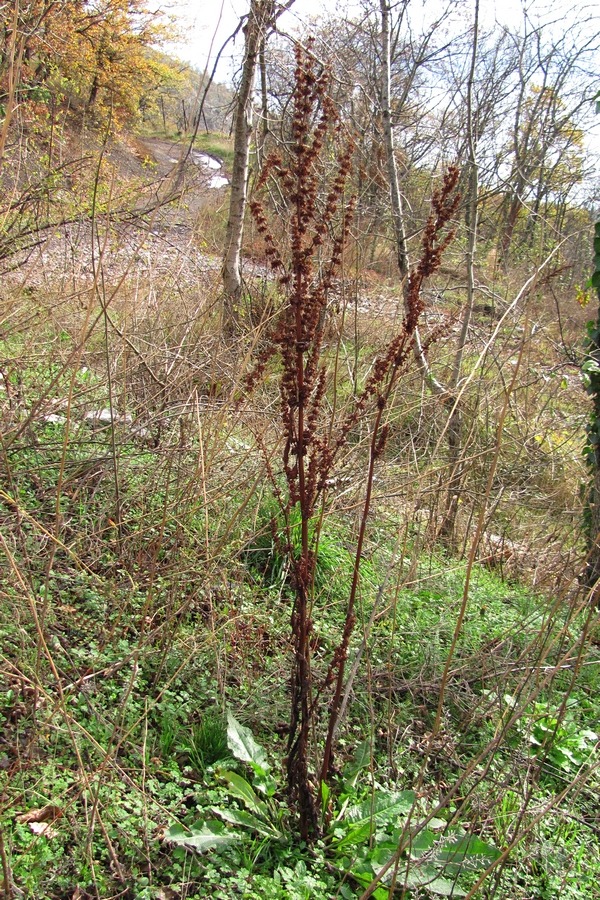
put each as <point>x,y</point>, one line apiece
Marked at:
<point>259,19</point>
<point>395,194</point>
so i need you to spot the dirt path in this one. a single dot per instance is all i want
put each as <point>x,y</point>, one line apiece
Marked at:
<point>163,246</point>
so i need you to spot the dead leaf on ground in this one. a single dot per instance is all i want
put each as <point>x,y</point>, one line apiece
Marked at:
<point>40,820</point>
<point>43,828</point>
<point>47,813</point>
<point>80,894</point>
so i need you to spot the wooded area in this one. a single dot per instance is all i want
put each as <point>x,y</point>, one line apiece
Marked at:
<point>299,455</point>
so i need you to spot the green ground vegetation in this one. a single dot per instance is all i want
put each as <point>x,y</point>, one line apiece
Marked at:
<point>145,609</point>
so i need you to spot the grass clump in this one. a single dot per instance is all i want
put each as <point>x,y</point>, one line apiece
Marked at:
<point>206,742</point>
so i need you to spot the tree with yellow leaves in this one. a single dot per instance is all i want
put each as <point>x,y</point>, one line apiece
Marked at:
<point>95,54</point>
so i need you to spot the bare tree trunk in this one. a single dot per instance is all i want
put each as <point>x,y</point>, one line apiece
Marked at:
<point>184,118</point>
<point>395,194</point>
<point>455,423</point>
<point>260,18</point>
<point>263,134</point>
<point>509,226</point>
<point>93,91</point>
<point>388,132</point>
<point>592,574</point>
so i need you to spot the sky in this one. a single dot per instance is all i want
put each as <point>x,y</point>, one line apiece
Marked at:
<point>208,23</point>
<point>205,24</point>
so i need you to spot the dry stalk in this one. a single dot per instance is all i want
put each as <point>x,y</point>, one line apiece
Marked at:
<point>312,441</point>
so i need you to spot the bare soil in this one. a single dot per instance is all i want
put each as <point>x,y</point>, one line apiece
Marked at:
<point>152,235</point>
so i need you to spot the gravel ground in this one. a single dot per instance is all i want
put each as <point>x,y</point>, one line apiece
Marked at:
<point>160,246</point>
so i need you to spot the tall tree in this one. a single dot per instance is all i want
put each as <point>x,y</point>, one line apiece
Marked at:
<point>95,53</point>
<point>261,18</point>
<point>591,370</point>
<point>394,186</point>
<point>471,207</point>
<point>544,151</point>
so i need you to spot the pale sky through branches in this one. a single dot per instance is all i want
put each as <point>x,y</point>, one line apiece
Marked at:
<point>207,23</point>
<point>205,26</point>
<point>212,22</point>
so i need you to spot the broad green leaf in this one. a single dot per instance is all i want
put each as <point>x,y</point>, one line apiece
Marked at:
<point>417,876</point>
<point>465,852</point>
<point>363,874</point>
<point>243,746</point>
<point>590,365</point>
<point>210,836</point>
<point>362,869</point>
<point>375,814</point>
<point>469,845</point>
<point>355,836</point>
<point>427,877</point>
<point>421,843</point>
<point>360,760</point>
<point>325,795</point>
<point>264,782</point>
<point>244,791</point>
<point>383,807</point>
<point>247,820</point>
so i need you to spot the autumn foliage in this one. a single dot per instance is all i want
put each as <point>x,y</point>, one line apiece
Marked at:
<point>93,56</point>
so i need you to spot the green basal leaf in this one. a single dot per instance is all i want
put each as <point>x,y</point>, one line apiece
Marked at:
<point>416,877</point>
<point>361,759</point>
<point>465,852</point>
<point>209,836</point>
<point>247,820</point>
<point>370,817</point>
<point>422,843</point>
<point>434,883</point>
<point>264,782</point>
<point>355,836</point>
<point>243,746</point>
<point>383,806</point>
<point>244,791</point>
<point>590,365</point>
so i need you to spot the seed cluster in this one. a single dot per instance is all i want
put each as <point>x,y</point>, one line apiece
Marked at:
<point>305,264</point>
<point>305,273</point>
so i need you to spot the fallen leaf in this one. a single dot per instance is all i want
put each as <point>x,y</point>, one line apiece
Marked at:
<point>80,894</point>
<point>43,828</point>
<point>47,813</point>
